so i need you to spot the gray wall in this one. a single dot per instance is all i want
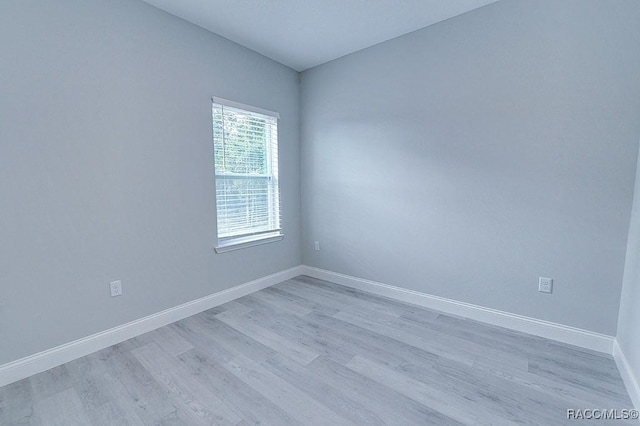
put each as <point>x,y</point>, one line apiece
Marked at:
<point>469,158</point>
<point>629,319</point>
<point>106,167</point>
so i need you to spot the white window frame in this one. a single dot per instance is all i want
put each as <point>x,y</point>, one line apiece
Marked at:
<point>235,242</point>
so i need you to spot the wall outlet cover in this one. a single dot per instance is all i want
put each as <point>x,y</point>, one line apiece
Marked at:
<point>116,288</point>
<point>545,285</point>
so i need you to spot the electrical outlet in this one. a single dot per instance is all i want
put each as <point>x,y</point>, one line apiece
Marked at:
<point>116,288</point>
<point>545,285</point>
<point>316,245</point>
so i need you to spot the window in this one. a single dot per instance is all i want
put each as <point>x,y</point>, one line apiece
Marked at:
<point>245,144</point>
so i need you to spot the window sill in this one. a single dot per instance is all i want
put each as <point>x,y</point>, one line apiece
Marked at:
<point>241,243</point>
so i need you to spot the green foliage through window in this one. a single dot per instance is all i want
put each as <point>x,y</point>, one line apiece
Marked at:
<point>246,167</point>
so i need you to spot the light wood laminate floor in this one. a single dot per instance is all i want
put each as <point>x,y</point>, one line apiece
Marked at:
<point>309,352</point>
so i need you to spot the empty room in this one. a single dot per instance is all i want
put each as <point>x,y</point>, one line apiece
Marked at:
<point>337,212</point>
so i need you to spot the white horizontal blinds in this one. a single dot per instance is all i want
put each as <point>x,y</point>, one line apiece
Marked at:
<point>246,167</point>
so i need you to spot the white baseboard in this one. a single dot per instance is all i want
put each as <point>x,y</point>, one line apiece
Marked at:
<point>50,358</point>
<point>25,367</point>
<point>562,333</point>
<point>628,376</point>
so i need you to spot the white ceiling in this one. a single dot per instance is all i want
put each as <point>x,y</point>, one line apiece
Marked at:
<point>304,33</point>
